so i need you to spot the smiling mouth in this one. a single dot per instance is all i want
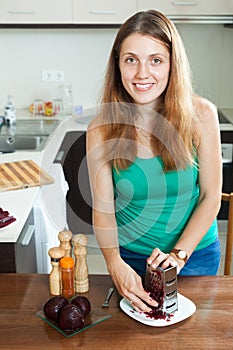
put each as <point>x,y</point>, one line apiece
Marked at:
<point>143,87</point>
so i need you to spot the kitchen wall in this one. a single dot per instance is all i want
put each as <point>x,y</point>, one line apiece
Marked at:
<point>83,53</point>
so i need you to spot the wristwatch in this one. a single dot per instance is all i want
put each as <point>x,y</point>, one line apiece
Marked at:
<point>181,254</point>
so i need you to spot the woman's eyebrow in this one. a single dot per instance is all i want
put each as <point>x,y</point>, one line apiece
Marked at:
<point>151,55</point>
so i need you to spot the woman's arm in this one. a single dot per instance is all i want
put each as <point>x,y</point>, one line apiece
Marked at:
<point>210,178</point>
<point>210,182</point>
<point>126,280</point>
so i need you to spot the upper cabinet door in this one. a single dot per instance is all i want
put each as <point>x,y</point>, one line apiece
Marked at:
<point>103,11</point>
<point>35,11</point>
<point>188,7</point>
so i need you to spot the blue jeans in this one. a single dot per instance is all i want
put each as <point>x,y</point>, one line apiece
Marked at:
<point>203,262</point>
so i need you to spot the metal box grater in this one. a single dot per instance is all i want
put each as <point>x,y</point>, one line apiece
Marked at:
<point>162,285</point>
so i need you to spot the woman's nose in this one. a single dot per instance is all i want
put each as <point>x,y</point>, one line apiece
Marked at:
<point>143,70</point>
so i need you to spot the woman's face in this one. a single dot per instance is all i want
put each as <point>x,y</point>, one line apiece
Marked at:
<point>144,65</point>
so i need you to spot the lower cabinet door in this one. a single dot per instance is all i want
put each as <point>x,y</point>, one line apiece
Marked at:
<point>20,257</point>
<point>25,251</point>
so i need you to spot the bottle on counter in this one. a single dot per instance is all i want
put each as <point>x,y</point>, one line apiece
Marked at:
<point>55,253</point>
<point>67,99</point>
<point>67,276</point>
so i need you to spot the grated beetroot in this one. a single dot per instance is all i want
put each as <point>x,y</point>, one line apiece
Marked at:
<point>156,289</point>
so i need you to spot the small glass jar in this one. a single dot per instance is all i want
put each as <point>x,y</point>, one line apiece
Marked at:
<point>67,276</point>
<point>38,108</point>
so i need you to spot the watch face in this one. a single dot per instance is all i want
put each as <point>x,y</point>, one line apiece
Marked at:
<point>182,254</point>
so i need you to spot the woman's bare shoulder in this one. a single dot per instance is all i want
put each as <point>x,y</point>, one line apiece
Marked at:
<point>94,124</point>
<point>94,132</point>
<point>206,110</point>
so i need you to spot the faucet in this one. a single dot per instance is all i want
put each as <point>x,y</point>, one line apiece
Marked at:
<point>10,112</point>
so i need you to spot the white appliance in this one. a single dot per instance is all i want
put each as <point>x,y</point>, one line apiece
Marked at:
<point>50,217</point>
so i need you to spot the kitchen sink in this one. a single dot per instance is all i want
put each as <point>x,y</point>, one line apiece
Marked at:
<point>36,127</point>
<point>22,142</point>
<point>26,134</point>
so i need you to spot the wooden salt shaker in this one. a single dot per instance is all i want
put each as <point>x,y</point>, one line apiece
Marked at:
<point>55,254</point>
<point>81,270</point>
<point>65,242</point>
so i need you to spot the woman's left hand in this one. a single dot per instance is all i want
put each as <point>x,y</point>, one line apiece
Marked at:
<point>159,258</point>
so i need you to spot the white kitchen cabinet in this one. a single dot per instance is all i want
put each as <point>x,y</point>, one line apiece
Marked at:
<point>102,11</point>
<point>20,256</point>
<point>189,7</point>
<point>35,11</point>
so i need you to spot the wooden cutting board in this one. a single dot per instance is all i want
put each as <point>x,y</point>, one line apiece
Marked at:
<point>22,174</point>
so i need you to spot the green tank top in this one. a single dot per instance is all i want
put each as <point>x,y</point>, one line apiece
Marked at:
<point>153,207</point>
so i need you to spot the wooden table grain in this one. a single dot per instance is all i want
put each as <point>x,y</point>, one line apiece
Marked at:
<point>211,327</point>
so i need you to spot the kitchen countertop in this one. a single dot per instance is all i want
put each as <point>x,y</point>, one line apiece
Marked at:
<point>210,327</point>
<point>19,203</point>
<point>228,113</point>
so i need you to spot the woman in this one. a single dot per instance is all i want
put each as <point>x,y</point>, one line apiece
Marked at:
<point>155,180</point>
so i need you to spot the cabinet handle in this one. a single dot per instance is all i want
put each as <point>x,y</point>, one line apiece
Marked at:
<point>21,12</point>
<point>93,12</point>
<point>185,3</point>
<point>28,235</point>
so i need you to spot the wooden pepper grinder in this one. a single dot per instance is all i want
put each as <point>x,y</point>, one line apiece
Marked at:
<point>55,254</point>
<point>65,242</point>
<point>81,270</point>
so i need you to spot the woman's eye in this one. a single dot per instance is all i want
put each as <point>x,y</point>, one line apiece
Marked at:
<point>156,60</point>
<point>130,60</point>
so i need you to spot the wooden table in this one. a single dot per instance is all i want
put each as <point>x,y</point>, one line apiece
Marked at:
<point>211,327</point>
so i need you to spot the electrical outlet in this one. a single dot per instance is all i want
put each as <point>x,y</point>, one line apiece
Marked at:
<point>52,76</point>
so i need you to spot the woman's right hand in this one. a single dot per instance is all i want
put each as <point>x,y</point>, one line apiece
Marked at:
<point>129,285</point>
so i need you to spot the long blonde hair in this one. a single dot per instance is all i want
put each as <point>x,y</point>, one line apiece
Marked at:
<point>176,131</point>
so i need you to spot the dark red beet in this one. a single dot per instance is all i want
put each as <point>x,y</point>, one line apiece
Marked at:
<point>70,318</point>
<point>83,303</point>
<point>53,306</point>
<point>156,290</point>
